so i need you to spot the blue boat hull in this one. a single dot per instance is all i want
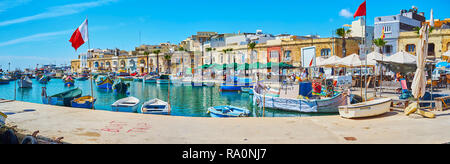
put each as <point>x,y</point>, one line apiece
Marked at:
<point>87,105</point>
<point>69,83</point>
<point>105,86</point>
<point>234,88</point>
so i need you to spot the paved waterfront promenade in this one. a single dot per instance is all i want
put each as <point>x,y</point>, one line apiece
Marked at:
<point>89,126</point>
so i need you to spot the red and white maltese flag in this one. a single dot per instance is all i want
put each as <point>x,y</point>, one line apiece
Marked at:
<point>80,36</point>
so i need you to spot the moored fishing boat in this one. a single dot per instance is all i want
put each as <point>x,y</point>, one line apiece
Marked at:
<point>128,104</point>
<point>120,87</point>
<point>62,99</point>
<point>83,102</point>
<point>68,81</point>
<point>150,79</point>
<point>83,77</point>
<point>324,105</point>
<point>209,83</point>
<point>155,106</point>
<point>366,109</point>
<point>104,82</point>
<point>4,80</point>
<point>44,79</point>
<point>25,82</point>
<point>163,79</point>
<point>233,87</point>
<point>228,111</point>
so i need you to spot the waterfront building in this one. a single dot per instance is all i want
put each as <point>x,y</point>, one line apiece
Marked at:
<point>360,30</point>
<point>438,42</point>
<point>393,25</point>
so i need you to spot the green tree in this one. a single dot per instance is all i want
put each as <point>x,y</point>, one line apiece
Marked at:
<point>380,43</point>
<point>343,33</point>
<point>168,59</point>
<point>147,55</point>
<point>157,60</point>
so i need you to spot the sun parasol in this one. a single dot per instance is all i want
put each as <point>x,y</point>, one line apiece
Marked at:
<point>419,82</point>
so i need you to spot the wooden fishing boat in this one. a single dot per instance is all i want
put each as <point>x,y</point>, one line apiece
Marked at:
<point>83,77</point>
<point>4,80</point>
<point>209,83</point>
<point>68,81</point>
<point>61,99</point>
<point>228,111</point>
<point>83,102</point>
<point>44,79</point>
<point>324,105</point>
<point>104,82</point>
<point>233,87</point>
<point>128,104</point>
<point>163,79</point>
<point>120,87</point>
<point>366,109</point>
<point>150,79</point>
<point>25,82</point>
<point>155,106</point>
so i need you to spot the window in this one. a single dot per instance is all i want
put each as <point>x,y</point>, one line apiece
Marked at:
<point>410,48</point>
<point>325,52</point>
<point>388,49</point>
<point>387,29</point>
<point>287,55</point>
<point>273,54</point>
<point>431,49</point>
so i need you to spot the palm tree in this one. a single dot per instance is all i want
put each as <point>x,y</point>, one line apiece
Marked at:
<point>380,44</point>
<point>209,49</point>
<point>157,60</point>
<point>168,59</point>
<point>251,46</point>
<point>147,54</point>
<point>343,34</point>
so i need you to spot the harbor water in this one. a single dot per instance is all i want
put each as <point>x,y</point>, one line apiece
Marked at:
<point>185,100</point>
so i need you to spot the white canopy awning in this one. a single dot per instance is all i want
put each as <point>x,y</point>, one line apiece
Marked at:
<point>350,61</point>
<point>331,61</point>
<point>402,57</point>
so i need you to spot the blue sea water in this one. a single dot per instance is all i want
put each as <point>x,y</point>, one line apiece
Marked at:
<point>185,100</point>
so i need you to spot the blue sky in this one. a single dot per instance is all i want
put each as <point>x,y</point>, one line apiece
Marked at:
<point>37,31</point>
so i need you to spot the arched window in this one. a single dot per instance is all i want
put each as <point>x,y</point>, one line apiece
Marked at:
<point>325,52</point>
<point>410,48</point>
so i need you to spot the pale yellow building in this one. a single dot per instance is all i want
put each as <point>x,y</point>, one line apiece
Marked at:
<point>438,42</point>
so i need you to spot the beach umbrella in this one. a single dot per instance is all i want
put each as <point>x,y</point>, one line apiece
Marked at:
<point>256,65</point>
<point>373,57</point>
<point>442,64</point>
<point>320,60</point>
<point>349,61</point>
<point>330,62</point>
<point>420,81</point>
<point>244,66</point>
<point>232,66</point>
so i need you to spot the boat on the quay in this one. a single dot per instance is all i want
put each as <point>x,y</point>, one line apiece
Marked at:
<point>127,104</point>
<point>25,82</point>
<point>228,111</point>
<point>155,106</point>
<point>314,105</point>
<point>104,82</point>
<point>83,102</point>
<point>62,99</point>
<point>366,109</point>
<point>69,81</point>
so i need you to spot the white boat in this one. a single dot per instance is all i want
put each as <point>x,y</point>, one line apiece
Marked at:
<point>155,106</point>
<point>366,109</point>
<point>128,104</point>
<point>187,81</point>
<point>25,82</point>
<point>209,83</point>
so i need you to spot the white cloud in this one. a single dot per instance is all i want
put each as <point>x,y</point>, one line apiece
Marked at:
<point>345,13</point>
<point>35,37</point>
<point>7,4</point>
<point>59,11</point>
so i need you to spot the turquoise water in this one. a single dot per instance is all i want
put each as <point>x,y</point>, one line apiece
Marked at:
<point>185,100</point>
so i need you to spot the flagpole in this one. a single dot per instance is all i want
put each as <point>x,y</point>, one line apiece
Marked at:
<point>364,49</point>
<point>89,52</point>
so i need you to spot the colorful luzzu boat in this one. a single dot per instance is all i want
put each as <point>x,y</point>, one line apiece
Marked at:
<point>69,81</point>
<point>83,102</point>
<point>61,99</point>
<point>104,82</point>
